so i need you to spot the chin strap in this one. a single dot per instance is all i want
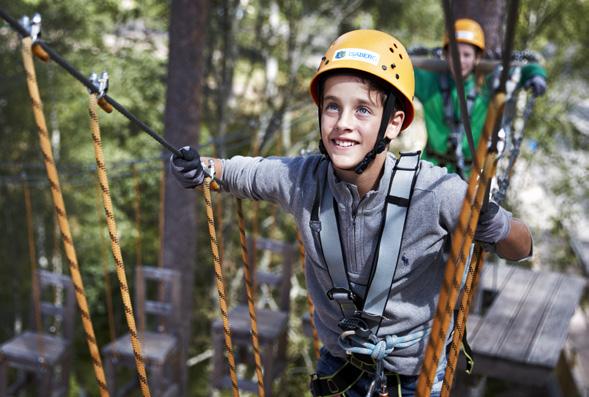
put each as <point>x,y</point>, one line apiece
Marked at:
<point>381,141</point>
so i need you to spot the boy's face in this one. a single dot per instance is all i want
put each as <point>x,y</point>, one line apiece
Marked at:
<point>468,58</point>
<point>350,118</point>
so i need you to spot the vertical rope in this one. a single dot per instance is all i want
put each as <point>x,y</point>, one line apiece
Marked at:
<point>250,298</point>
<point>105,268</point>
<point>32,257</point>
<point>61,214</point>
<point>115,246</point>
<point>460,326</point>
<point>461,239</point>
<point>316,345</point>
<point>220,285</point>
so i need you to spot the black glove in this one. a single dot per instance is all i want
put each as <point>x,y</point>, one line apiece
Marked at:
<point>537,84</point>
<point>187,169</point>
<point>490,231</point>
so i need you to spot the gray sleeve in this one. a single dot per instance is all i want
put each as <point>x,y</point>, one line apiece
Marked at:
<point>275,179</point>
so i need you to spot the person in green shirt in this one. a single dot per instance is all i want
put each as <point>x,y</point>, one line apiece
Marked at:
<point>447,144</point>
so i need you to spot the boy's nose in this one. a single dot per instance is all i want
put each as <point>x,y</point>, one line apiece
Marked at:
<point>345,121</point>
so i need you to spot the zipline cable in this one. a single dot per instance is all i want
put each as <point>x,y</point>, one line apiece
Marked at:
<point>116,248</point>
<point>61,214</point>
<point>220,282</point>
<point>249,290</point>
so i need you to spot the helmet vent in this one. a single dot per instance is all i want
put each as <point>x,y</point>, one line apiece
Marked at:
<point>395,45</point>
<point>384,67</point>
<point>393,66</point>
<point>401,56</point>
<point>397,76</point>
<point>391,49</point>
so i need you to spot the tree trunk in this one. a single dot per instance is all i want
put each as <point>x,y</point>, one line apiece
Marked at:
<point>490,14</point>
<point>182,118</point>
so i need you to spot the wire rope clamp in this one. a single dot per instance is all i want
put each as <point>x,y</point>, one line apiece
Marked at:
<point>101,85</point>
<point>33,26</point>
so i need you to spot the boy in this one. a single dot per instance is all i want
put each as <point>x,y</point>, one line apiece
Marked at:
<point>446,142</point>
<point>363,89</point>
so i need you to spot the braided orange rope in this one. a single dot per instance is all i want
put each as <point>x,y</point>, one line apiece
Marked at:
<point>115,246</point>
<point>316,345</point>
<point>461,240</point>
<point>105,268</point>
<point>220,285</point>
<point>61,214</point>
<point>250,299</point>
<point>460,326</point>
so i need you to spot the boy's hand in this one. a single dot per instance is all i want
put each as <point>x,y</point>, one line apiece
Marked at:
<point>537,84</point>
<point>187,169</point>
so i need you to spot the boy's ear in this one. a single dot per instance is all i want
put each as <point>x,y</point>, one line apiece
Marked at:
<point>395,124</point>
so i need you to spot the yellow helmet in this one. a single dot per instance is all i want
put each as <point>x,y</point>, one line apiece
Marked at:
<point>376,53</point>
<point>468,31</point>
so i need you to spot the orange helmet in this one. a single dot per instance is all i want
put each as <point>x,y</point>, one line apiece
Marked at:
<point>468,31</point>
<point>376,53</point>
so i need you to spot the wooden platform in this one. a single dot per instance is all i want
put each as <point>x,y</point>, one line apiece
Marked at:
<point>520,336</point>
<point>581,249</point>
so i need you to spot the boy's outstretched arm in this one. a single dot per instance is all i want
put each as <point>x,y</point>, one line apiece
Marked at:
<point>518,243</point>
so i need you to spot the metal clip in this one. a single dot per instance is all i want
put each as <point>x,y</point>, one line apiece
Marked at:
<point>33,26</point>
<point>101,85</point>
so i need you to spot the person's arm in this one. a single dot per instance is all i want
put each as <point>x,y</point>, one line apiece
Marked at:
<point>518,243</point>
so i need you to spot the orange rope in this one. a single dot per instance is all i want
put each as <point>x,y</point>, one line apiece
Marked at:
<point>249,289</point>
<point>115,246</point>
<point>61,214</point>
<point>316,345</point>
<point>105,268</point>
<point>460,326</point>
<point>220,285</point>
<point>461,240</point>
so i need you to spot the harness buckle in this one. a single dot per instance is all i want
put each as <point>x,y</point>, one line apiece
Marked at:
<point>357,325</point>
<point>344,295</point>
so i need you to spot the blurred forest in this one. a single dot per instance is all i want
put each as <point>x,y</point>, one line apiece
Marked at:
<point>257,60</point>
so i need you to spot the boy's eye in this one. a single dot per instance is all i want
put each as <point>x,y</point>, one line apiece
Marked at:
<point>363,110</point>
<point>331,107</point>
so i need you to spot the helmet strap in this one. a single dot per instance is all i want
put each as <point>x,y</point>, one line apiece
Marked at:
<point>381,141</point>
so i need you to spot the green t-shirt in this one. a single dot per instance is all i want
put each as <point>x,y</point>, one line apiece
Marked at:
<point>429,93</point>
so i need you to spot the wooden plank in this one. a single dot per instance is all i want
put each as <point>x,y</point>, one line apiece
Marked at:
<point>499,318</point>
<point>495,276</point>
<point>554,329</point>
<point>493,279</point>
<point>532,310</point>
<point>581,250</point>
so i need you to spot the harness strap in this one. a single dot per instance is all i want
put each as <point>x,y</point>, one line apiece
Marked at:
<point>346,377</point>
<point>397,205</point>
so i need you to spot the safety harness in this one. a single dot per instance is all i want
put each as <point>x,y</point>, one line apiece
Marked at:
<point>362,317</point>
<point>454,153</point>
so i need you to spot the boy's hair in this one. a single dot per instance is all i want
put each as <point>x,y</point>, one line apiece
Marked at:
<point>374,85</point>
